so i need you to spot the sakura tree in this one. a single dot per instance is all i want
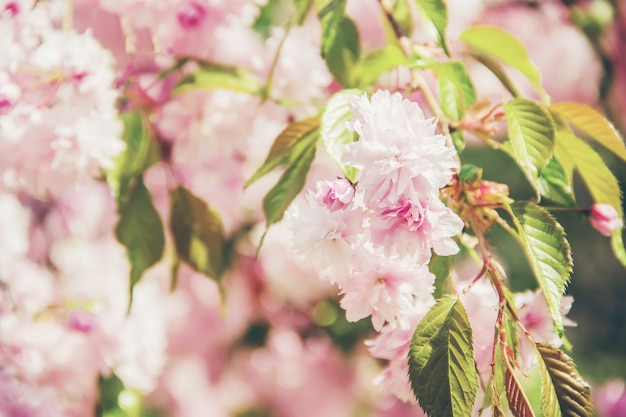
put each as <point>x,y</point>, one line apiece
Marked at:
<point>268,208</point>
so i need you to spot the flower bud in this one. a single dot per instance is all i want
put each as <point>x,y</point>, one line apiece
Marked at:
<point>192,15</point>
<point>605,219</point>
<point>336,195</point>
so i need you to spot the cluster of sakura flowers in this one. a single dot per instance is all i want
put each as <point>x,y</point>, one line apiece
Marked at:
<point>374,238</point>
<point>59,119</point>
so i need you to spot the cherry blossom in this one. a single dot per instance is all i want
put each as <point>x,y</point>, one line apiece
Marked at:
<point>398,151</point>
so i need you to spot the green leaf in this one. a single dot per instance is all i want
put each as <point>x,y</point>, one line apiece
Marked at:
<point>518,402</point>
<point>510,324</point>
<point>109,389</point>
<point>600,181</point>
<point>496,407</point>
<point>266,18</point>
<point>470,173</point>
<point>434,14</point>
<point>368,70</point>
<point>549,400</point>
<point>456,91</point>
<point>572,392</point>
<point>441,361</point>
<point>402,14</point>
<point>499,71</point>
<point>500,44</point>
<point>335,135</point>
<point>441,267</point>
<point>140,230</point>
<point>288,145</point>
<point>531,132</point>
<point>330,14</point>
<point>278,199</point>
<point>556,185</point>
<point>142,150</point>
<point>617,244</point>
<point>548,253</point>
<point>302,10</point>
<point>217,76</point>
<point>563,158</point>
<point>344,53</point>
<point>593,124</point>
<point>198,233</point>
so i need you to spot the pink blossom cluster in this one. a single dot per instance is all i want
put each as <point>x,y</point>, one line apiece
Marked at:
<point>58,121</point>
<point>64,277</point>
<point>374,237</point>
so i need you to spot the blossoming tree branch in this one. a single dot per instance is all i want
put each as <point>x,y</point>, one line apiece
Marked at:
<point>248,208</point>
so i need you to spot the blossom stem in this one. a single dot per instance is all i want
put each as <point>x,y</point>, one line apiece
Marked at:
<point>267,91</point>
<point>417,81</point>
<point>68,16</point>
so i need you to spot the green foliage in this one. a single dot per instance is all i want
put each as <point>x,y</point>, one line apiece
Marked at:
<point>211,75</point>
<point>496,406</point>
<point>593,124</point>
<point>600,181</point>
<point>572,392</point>
<point>470,173</point>
<point>531,132</point>
<point>456,91</point>
<point>549,400</point>
<point>598,178</point>
<point>330,14</point>
<point>140,230</point>
<point>266,18</point>
<point>288,146</point>
<point>278,199</point>
<point>543,240</point>
<point>343,53</point>
<point>335,135</point>
<point>556,185</point>
<point>518,401</point>
<point>617,244</point>
<point>434,14</point>
<point>401,11</point>
<point>116,400</point>
<point>369,69</point>
<point>496,43</point>
<point>198,233</point>
<point>441,267</point>
<point>340,46</point>
<point>295,147</point>
<point>280,13</point>
<point>302,9</point>
<point>441,361</point>
<point>142,150</point>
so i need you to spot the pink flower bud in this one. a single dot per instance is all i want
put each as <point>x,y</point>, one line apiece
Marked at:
<point>13,8</point>
<point>605,219</point>
<point>81,321</point>
<point>192,15</point>
<point>336,195</point>
<point>5,105</point>
<point>491,192</point>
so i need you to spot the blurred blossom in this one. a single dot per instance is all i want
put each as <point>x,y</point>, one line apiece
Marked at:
<point>615,45</point>
<point>570,69</point>
<point>534,315</point>
<point>610,398</point>
<point>60,123</point>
